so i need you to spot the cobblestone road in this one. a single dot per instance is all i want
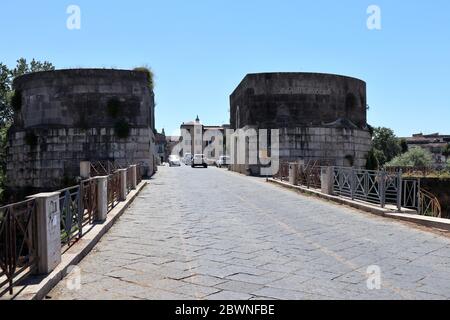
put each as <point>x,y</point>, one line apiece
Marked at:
<point>213,234</point>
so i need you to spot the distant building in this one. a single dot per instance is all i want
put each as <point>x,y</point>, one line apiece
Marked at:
<point>160,147</point>
<point>434,143</point>
<point>201,136</point>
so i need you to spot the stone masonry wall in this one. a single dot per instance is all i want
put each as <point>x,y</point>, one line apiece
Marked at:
<point>290,100</point>
<point>339,146</point>
<point>332,146</point>
<point>54,160</point>
<point>68,116</point>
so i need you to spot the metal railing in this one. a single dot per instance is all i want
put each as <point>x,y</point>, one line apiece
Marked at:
<point>89,193</point>
<point>429,204</point>
<point>410,196</point>
<point>18,225</point>
<point>79,207</point>
<point>417,198</point>
<point>129,178</point>
<point>283,171</point>
<point>71,214</point>
<point>113,190</point>
<point>104,168</point>
<point>18,256</point>
<point>309,176</point>
<point>378,187</point>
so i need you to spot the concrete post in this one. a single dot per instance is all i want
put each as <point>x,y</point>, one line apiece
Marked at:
<point>48,231</point>
<point>134,177</point>
<point>293,173</point>
<point>85,169</point>
<point>102,198</point>
<point>123,184</point>
<point>327,180</point>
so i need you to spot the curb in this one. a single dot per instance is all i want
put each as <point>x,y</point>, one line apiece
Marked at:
<point>77,252</point>
<point>406,214</point>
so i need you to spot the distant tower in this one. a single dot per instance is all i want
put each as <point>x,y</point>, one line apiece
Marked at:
<point>197,119</point>
<point>163,132</point>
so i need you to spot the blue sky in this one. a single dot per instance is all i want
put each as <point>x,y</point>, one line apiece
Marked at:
<point>201,49</point>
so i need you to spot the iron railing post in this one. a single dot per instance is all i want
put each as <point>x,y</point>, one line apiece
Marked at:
<point>352,182</point>
<point>399,191</point>
<point>80,209</point>
<point>419,197</point>
<point>382,188</point>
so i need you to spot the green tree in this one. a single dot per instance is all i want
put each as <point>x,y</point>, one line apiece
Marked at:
<point>385,141</point>
<point>7,100</point>
<point>415,157</point>
<point>372,159</point>
<point>6,79</point>
<point>404,145</point>
<point>3,142</point>
<point>5,94</point>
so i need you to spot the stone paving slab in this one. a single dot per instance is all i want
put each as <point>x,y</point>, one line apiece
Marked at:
<point>213,234</point>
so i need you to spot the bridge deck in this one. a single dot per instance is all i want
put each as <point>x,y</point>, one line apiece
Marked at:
<point>213,234</point>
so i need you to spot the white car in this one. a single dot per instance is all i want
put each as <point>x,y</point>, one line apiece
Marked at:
<point>174,160</point>
<point>199,160</point>
<point>223,161</point>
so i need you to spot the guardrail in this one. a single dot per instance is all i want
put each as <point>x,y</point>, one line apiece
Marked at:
<point>309,176</point>
<point>378,187</point>
<point>283,171</point>
<point>130,178</point>
<point>71,214</point>
<point>417,198</point>
<point>76,207</point>
<point>113,189</point>
<point>429,204</point>
<point>18,257</point>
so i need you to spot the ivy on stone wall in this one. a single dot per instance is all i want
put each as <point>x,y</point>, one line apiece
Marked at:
<point>122,129</point>
<point>16,100</point>
<point>113,107</point>
<point>31,139</point>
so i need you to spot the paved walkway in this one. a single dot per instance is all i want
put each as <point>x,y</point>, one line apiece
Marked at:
<point>213,234</point>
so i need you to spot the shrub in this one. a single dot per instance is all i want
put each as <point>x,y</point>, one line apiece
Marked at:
<point>150,76</point>
<point>415,157</point>
<point>122,129</point>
